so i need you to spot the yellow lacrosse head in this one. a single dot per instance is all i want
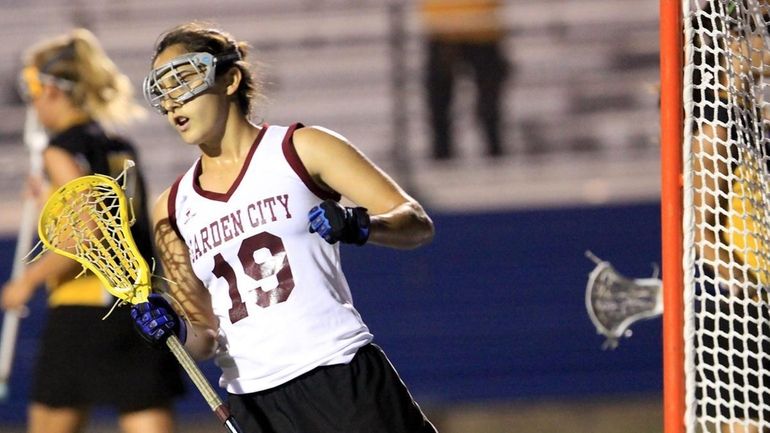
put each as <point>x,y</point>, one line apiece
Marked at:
<point>88,219</point>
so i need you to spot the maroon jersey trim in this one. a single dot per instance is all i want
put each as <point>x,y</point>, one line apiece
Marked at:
<point>223,197</point>
<point>171,205</point>
<point>290,153</point>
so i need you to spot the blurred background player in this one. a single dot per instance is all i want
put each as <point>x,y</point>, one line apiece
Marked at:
<point>84,361</point>
<point>731,230</point>
<point>464,38</point>
<point>250,235</point>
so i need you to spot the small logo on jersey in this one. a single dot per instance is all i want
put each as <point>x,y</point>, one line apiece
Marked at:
<point>188,215</point>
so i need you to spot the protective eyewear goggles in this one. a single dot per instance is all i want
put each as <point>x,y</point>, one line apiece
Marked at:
<point>31,82</point>
<point>182,79</point>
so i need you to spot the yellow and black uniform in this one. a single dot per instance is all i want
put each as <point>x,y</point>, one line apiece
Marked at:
<point>84,360</point>
<point>734,367</point>
<point>461,35</point>
<point>747,231</point>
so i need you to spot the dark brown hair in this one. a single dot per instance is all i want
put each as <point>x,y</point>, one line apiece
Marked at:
<point>197,37</point>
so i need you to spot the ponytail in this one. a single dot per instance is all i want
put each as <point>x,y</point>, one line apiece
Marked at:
<point>99,88</point>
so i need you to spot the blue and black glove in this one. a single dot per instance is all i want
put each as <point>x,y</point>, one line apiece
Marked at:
<point>155,321</point>
<point>336,223</point>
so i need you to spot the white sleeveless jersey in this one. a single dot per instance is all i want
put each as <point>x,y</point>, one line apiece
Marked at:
<point>283,304</point>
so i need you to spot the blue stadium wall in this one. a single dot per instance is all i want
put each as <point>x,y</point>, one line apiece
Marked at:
<point>492,310</point>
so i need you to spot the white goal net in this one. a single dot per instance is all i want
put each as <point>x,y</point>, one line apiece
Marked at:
<point>726,215</point>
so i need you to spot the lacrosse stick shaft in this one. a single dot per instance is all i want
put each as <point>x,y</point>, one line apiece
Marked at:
<point>35,140</point>
<point>7,347</point>
<point>11,318</point>
<point>208,393</point>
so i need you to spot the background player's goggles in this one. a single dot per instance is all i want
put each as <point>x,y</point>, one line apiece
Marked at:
<point>31,82</point>
<point>182,79</point>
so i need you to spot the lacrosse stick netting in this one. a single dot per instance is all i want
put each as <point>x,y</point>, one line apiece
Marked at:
<point>615,302</point>
<point>88,220</point>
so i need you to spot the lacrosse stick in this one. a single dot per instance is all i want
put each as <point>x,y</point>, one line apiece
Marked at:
<point>88,219</point>
<point>615,302</point>
<point>35,139</point>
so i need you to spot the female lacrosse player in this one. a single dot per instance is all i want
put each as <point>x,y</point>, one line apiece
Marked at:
<point>249,234</point>
<point>84,361</point>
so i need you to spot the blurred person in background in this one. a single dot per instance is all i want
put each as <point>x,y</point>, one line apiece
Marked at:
<point>250,234</point>
<point>83,361</point>
<point>464,37</point>
<point>727,148</point>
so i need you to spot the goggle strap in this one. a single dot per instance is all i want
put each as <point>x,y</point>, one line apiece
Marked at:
<point>31,81</point>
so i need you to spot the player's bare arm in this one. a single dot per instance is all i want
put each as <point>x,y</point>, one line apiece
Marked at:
<point>185,288</point>
<point>397,220</point>
<point>61,168</point>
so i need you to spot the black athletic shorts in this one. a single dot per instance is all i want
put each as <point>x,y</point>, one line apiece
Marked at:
<point>364,396</point>
<point>732,360</point>
<point>85,361</point>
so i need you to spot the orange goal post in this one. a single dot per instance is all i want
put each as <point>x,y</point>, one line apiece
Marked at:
<point>671,122</point>
<point>715,214</point>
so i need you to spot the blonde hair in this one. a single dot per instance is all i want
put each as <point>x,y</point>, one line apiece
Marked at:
<point>99,88</point>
